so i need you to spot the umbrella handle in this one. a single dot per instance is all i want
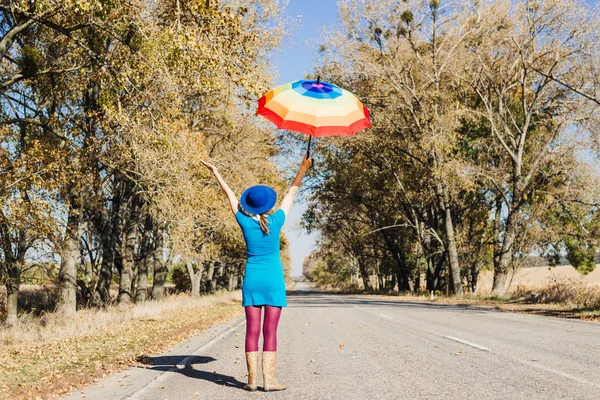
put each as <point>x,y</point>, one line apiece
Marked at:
<point>312,164</point>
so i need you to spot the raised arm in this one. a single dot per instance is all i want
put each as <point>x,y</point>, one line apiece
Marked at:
<point>233,201</point>
<point>288,199</point>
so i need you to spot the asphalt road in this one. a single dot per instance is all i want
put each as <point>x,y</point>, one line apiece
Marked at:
<point>355,347</point>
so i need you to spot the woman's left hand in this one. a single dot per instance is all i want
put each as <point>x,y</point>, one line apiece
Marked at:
<point>211,167</point>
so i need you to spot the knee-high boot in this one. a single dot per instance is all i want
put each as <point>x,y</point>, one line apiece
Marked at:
<point>269,365</point>
<point>252,364</point>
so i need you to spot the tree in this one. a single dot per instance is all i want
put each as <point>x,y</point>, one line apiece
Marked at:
<point>539,124</point>
<point>123,101</point>
<point>472,150</point>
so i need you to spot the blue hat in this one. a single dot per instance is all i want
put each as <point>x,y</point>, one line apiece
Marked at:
<point>258,199</point>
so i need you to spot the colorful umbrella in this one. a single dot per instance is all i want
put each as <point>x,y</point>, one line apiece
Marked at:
<point>315,108</point>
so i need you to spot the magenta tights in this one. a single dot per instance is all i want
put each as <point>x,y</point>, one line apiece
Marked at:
<point>269,327</point>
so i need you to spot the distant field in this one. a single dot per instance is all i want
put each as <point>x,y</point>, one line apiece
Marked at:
<point>539,276</point>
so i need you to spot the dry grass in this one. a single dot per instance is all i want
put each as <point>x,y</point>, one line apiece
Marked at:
<point>34,299</point>
<point>577,295</point>
<point>50,355</point>
<point>540,276</point>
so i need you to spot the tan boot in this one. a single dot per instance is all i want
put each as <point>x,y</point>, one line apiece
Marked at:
<point>269,365</point>
<point>252,363</point>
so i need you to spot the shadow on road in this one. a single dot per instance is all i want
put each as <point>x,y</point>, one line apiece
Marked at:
<point>170,364</point>
<point>314,298</point>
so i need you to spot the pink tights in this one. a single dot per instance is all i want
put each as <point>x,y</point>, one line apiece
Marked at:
<point>271,320</point>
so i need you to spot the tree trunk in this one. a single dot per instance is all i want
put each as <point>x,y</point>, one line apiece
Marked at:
<point>435,268</point>
<point>67,276</point>
<point>160,266</point>
<point>13,286</point>
<point>144,261</point>
<point>365,275</point>
<point>505,258</point>
<point>111,228</point>
<point>401,269</point>
<point>393,282</point>
<point>127,270</point>
<point>195,276</point>
<point>417,285</point>
<point>451,243</point>
<point>14,261</point>
<point>210,277</point>
<point>230,275</point>
<point>430,275</point>
<point>240,275</point>
<point>497,231</point>
<point>476,267</point>
<point>220,274</point>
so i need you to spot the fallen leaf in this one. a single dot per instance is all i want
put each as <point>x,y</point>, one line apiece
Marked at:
<point>341,346</point>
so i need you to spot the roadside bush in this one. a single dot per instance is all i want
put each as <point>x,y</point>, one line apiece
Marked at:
<point>562,291</point>
<point>331,271</point>
<point>180,278</point>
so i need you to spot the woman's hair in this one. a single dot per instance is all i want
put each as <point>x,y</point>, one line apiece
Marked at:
<point>262,219</point>
<point>263,224</point>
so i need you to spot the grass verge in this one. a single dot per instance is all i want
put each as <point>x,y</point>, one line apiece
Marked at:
<point>47,357</point>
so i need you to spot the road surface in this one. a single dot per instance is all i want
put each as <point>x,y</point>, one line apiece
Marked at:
<point>357,347</point>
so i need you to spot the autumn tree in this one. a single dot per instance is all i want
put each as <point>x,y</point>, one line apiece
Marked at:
<point>484,123</point>
<point>123,100</point>
<point>541,126</point>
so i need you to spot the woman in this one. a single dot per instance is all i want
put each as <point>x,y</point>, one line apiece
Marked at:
<point>264,284</point>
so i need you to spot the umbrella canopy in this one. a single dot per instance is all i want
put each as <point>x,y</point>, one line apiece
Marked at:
<point>315,108</point>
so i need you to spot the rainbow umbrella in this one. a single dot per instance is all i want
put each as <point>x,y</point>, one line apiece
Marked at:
<point>315,108</point>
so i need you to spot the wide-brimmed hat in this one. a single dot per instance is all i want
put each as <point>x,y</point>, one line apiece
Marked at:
<point>258,199</point>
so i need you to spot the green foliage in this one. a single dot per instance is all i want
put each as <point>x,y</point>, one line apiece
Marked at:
<point>407,17</point>
<point>330,271</point>
<point>180,278</point>
<point>29,62</point>
<point>581,255</point>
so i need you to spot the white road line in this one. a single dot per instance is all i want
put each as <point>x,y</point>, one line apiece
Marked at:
<point>385,316</point>
<point>560,373</point>
<point>139,394</point>
<point>467,343</point>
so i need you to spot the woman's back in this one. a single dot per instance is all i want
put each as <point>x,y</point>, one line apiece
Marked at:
<point>261,247</point>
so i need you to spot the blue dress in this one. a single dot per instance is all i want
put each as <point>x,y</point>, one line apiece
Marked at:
<point>264,283</point>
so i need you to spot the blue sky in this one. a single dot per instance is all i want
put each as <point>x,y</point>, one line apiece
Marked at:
<point>296,58</point>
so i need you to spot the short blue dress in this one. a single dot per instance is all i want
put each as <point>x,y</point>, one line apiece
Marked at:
<point>264,284</point>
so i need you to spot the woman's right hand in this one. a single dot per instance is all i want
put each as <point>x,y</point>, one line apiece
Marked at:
<point>307,162</point>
